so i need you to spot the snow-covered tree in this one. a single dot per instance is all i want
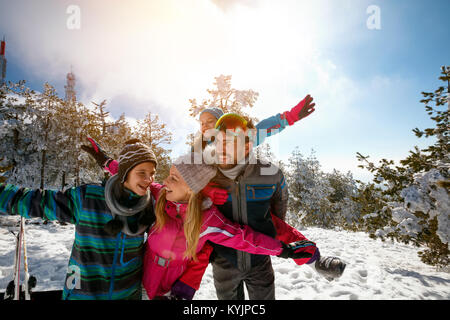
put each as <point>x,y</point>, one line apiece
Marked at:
<point>225,97</point>
<point>308,192</point>
<point>345,210</point>
<point>264,151</point>
<point>321,199</point>
<point>42,134</point>
<point>417,204</point>
<point>154,133</point>
<point>18,153</point>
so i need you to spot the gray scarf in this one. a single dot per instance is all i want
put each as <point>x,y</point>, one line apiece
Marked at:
<point>120,212</point>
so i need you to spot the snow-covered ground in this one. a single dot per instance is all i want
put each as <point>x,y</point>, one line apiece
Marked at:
<point>375,269</point>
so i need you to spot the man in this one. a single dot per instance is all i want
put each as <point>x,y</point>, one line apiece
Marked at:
<point>253,196</point>
<point>256,190</point>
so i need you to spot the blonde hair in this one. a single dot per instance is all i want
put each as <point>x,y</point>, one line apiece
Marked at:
<point>192,222</point>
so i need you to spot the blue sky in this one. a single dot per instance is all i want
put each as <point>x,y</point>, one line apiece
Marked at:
<point>156,55</point>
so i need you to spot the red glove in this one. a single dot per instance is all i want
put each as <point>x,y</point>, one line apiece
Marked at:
<point>303,109</point>
<point>217,195</point>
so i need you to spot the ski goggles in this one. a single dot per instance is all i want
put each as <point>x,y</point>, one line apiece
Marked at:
<point>234,124</point>
<point>230,121</point>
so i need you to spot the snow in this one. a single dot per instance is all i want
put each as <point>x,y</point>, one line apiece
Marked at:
<point>375,269</point>
<point>48,251</point>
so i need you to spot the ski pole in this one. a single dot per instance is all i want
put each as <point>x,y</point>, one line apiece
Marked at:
<point>25,267</point>
<point>18,256</point>
<point>10,290</point>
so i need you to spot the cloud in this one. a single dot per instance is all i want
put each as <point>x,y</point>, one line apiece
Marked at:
<point>156,55</point>
<point>227,5</point>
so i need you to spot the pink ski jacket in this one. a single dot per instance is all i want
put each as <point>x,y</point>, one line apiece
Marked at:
<point>164,260</point>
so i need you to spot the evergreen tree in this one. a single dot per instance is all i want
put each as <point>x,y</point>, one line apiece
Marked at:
<point>47,127</point>
<point>345,210</point>
<point>416,193</point>
<point>42,135</point>
<point>370,204</point>
<point>101,116</point>
<point>17,152</point>
<point>154,133</point>
<point>225,97</point>
<point>264,151</point>
<point>316,198</point>
<point>119,132</point>
<point>308,192</point>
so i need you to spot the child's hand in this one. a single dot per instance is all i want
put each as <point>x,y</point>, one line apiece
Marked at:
<point>218,195</point>
<point>296,250</point>
<point>303,109</point>
<point>96,152</point>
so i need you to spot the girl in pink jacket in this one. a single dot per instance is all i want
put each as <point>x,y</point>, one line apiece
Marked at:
<point>185,220</point>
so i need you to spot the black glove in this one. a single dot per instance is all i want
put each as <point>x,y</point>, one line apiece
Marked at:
<point>97,153</point>
<point>182,291</point>
<point>295,250</point>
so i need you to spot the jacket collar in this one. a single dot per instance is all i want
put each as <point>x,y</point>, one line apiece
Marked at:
<point>178,209</point>
<point>127,197</point>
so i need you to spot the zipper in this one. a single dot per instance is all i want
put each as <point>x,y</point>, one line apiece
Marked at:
<point>238,199</point>
<point>241,255</point>
<point>253,188</point>
<point>113,268</point>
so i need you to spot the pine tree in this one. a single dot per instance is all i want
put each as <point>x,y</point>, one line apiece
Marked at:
<point>154,133</point>
<point>370,204</point>
<point>17,151</point>
<point>316,198</point>
<point>264,151</point>
<point>73,164</point>
<point>118,133</point>
<point>47,126</point>
<point>225,97</point>
<point>110,134</point>
<point>345,210</point>
<point>102,116</point>
<point>6,164</point>
<point>308,192</point>
<point>416,193</point>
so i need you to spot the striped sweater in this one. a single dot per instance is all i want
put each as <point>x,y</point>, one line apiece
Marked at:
<point>101,267</point>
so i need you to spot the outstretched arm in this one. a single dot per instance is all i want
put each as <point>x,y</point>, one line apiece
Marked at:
<point>104,161</point>
<point>217,195</point>
<point>218,229</point>
<point>275,124</point>
<point>37,203</point>
<point>288,234</point>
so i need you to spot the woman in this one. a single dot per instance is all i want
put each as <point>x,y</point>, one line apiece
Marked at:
<point>185,220</point>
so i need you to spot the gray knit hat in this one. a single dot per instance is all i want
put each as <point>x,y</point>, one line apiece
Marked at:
<point>216,112</point>
<point>197,176</point>
<point>133,153</point>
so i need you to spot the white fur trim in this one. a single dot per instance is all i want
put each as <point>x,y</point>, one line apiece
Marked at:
<point>207,203</point>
